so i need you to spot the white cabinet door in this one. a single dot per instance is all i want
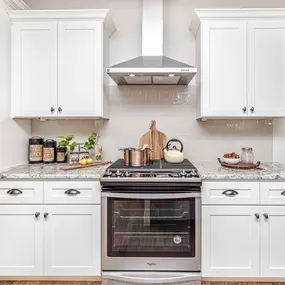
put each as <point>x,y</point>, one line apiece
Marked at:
<point>266,68</point>
<point>21,241</point>
<point>79,69</point>
<point>272,241</point>
<point>34,69</point>
<point>230,241</point>
<point>72,244</point>
<point>224,68</point>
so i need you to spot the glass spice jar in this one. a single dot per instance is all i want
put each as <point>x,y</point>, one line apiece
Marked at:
<point>36,150</point>
<point>61,154</point>
<point>247,156</point>
<point>49,151</point>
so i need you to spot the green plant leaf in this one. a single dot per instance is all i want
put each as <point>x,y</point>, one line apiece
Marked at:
<point>69,138</point>
<point>61,137</point>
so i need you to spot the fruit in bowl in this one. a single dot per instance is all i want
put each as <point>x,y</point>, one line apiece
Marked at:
<point>231,158</point>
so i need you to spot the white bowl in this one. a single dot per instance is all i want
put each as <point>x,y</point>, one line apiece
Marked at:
<point>231,160</point>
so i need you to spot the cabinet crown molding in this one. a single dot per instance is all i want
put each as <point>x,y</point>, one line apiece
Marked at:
<point>231,14</point>
<point>64,15</point>
<point>16,5</point>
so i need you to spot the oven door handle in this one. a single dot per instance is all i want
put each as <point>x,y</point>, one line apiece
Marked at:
<point>151,195</point>
<point>152,277</point>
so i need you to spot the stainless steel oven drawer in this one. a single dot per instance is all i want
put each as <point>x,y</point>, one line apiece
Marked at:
<point>137,277</point>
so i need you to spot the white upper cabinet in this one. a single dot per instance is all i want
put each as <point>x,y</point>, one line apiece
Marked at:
<point>266,65</point>
<point>241,63</point>
<point>58,62</point>
<point>34,70</point>
<point>224,68</point>
<point>79,68</point>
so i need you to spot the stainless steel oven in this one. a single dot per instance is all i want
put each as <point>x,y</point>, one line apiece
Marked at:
<point>151,231</point>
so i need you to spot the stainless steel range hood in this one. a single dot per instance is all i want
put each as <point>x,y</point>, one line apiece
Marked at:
<point>152,68</point>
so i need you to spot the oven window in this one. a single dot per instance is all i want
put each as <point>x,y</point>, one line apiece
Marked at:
<point>151,228</point>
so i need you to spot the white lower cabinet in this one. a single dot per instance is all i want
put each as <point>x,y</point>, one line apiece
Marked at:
<point>72,240</point>
<point>230,241</point>
<point>243,240</point>
<point>50,240</point>
<point>21,235</point>
<point>273,241</point>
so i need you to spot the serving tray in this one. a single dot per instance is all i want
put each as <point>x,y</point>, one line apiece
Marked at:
<point>240,165</point>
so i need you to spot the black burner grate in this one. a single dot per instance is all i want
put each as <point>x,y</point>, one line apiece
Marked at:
<point>155,165</point>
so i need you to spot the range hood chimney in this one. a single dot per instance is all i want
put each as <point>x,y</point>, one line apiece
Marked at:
<point>152,68</point>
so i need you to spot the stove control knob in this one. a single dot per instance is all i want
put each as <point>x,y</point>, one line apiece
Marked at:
<point>127,174</point>
<point>108,172</point>
<point>119,173</point>
<point>183,173</point>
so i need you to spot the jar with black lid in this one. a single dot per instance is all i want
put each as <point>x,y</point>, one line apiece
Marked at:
<point>36,150</point>
<point>61,154</point>
<point>49,151</point>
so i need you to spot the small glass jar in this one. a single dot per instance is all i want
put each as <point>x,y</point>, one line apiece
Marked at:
<point>83,155</point>
<point>61,154</point>
<point>74,158</point>
<point>247,156</point>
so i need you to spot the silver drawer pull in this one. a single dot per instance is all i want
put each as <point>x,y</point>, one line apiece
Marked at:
<point>14,192</point>
<point>72,192</point>
<point>151,263</point>
<point>283,193</point>
<point>230,193</point>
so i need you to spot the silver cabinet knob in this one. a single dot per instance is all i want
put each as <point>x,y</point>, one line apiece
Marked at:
<point>257,216</point>
<point>244,109</point>
<point>266,216</point>
<point>37,214</point>
<point>52,109</point>
<point>59,109</point>
<point>252,109</point>
<point>45,215</point>
<point>283,193</point>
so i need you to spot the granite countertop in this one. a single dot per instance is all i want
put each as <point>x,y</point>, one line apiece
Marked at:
<point>51,171</point>
<point>207,171</point>
<point>266,171</point>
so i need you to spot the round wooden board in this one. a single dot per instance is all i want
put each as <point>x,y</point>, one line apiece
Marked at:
<point>240,165</point>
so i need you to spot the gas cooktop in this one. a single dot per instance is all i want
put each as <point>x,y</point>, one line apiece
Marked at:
<point>157,174</point>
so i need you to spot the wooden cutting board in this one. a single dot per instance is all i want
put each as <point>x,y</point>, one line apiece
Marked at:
<point>240,165</point>
<point>155,140</point>
<point>76,166</point>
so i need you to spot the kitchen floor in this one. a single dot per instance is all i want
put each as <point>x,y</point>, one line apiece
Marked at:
<point>98,283</point>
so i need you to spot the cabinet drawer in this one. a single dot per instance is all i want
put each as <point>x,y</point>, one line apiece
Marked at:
<point>272,193</point>
<point>21,192</point>
<point>230,193</point>
<point>72,192</point>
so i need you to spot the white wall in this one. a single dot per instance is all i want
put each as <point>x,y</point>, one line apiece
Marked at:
<point>132,109</point>
<point>13,134</point>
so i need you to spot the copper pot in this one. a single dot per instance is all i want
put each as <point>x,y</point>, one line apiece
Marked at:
<point>136,156</point>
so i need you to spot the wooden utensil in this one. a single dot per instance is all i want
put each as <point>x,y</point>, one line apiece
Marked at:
<point>70,167</point>
<point>240,165</point>
<point>156,141</point>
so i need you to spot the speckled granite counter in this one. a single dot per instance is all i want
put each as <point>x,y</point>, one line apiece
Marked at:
<point>51,171</point>
<point>266,171</point>
<point>207,171</point>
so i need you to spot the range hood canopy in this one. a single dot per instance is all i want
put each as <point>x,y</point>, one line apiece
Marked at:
<point>152,68</point>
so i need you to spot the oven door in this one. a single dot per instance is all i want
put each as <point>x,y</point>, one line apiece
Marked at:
<point>147,231</point>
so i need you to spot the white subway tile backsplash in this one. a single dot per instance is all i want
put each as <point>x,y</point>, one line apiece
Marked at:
<point>174,108</point>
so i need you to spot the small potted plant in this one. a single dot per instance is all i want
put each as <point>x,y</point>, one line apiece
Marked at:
<point>67,145</point>
<point>89,145</point>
